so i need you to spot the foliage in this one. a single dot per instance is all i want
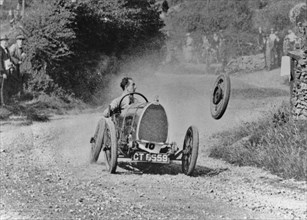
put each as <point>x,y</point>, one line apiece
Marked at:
<point>275,14</point>
<point>233,17</point>
<point>74,45</point>
<point>9,4</point>
<point>276,143</point>
<point>237,19</point>
<point>113,26</point>
<point>298,13</point>
<point>50,36</point>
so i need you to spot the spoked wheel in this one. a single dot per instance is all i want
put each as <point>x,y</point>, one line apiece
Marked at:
<point>110,146</point>
<point>190,150</point>
<point>220,96</point>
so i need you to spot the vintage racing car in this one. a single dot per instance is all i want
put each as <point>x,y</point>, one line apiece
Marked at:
<point>140,133</point>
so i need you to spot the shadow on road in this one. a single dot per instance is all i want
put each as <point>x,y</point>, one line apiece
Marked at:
<point>169,169</point>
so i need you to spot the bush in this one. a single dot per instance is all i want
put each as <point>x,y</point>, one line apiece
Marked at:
<point>274,143</point>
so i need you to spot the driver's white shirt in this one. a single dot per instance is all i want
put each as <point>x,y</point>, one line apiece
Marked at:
<point>115,103</point>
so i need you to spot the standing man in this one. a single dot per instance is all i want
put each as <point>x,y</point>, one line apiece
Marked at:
<point>268,51</point>
<point>261,44</point>
<point>18,56</point>
<point>286,46</point>
<point>5,64</point>
<point>292,38</point>
<point>279,48</point>
<point>273,38</point>
<point>205,51</point>
<point>215,46</point>
<point>165,6</point>
<point>189,55</point>
<point>261,39</point>
<point>222,51</point>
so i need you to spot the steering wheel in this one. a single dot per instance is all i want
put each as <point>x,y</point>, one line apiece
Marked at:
<point>132,93</point>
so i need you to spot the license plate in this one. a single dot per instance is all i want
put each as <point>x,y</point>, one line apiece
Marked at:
<point>151,158</point>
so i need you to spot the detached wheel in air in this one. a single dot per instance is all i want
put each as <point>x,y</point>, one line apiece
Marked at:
<point>220,96</point>
<point>110,146</point>
<point>190,150</point>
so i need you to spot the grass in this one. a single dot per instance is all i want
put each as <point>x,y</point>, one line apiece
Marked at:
<point>274,143</point>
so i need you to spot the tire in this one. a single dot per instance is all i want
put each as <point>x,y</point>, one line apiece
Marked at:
<point>190,150</point>
<point>110,146</point>
<point>220,96</point>
<point>96,148</point>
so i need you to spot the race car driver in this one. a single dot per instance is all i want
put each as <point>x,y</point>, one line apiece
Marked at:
<point>128,86</point>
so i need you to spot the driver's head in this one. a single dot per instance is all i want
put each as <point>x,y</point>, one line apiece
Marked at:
<point>128,84</point>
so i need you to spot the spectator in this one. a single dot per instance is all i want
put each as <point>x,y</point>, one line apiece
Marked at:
<point>222,51</point>
<point>273,35</point>
<point>215,45</point>
<point>189,48</point>
<point>164,10</point>
<point>11,17</point>
<point>292,38</point>
<point>273,38</point>
<point>291,35</point>
<point>5,65</point>
<point>165,6</point>
<point>286,46</point>
<point>298,43</point>
<point>265,40</point>
<point>261,39</point>
<point>205,50</point>
<point>279,49</point>
<point>269,49</point>
<point>189,40</point>
<point>302,35</point>
<point>18,56</point>
<point>262,44</point>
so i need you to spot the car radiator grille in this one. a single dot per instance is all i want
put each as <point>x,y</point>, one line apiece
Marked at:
<point>153,125</point>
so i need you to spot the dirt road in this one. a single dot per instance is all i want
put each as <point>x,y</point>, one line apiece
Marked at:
<point>45,172</point>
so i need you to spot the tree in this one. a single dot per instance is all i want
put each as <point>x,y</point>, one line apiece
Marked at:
<point>275,15</point>
<point>233,17</point>
<point>67,42</point>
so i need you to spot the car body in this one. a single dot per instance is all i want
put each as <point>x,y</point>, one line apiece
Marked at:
<point>140,133</point>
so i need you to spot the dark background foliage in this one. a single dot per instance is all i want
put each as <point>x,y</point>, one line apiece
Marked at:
<point>74,45</point>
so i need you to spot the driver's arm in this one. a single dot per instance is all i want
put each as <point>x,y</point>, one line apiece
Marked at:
<point>114,106</point>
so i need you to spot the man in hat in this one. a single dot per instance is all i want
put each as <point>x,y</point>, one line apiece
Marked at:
<point>18,56</point>
<point>5,63</point>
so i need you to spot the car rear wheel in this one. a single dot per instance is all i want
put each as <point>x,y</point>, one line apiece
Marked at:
<point>190,150</point>
<point>220,96</point>
<point>110,146</point>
